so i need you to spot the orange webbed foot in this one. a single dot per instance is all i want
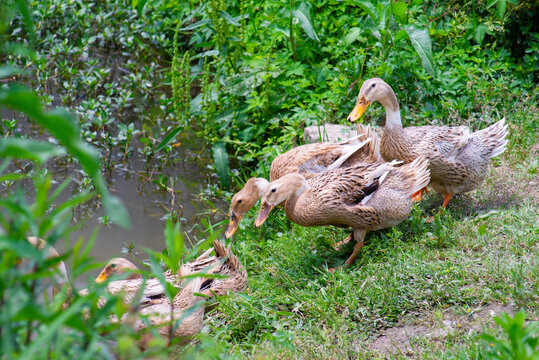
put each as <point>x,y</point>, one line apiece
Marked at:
<point>418,195</point>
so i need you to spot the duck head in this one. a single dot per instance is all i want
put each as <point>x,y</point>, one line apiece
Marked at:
<point>374,89</point>
<point>118,266</point>
<point>243,201</point>
<point>279,191</point>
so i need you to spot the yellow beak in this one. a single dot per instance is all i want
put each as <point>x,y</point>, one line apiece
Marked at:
<point>232,225</point>
<point>359,109</point>
<point>265,209</point>
<point>102,277</point>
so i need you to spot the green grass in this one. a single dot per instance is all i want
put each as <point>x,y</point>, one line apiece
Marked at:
<point>483,251</point>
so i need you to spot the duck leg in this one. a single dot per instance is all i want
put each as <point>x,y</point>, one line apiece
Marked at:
<point>340,244</point>
<point>447,197</point>
<point>418,195</point>
<point>359,235</point>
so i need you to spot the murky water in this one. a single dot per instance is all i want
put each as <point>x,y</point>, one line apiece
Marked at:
<point>146,203</point>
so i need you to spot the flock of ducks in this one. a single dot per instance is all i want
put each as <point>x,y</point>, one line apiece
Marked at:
<point>370,184</point>
<point>365,183</point>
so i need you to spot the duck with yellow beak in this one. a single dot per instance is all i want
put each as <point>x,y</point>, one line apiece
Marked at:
<point>307,160</point>
<point>458,158</point>
<point>364,197</point>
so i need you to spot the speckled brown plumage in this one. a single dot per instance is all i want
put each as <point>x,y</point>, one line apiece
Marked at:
<point>311,159</point>
<point>364,196</point>
<point>458,158</point>
<point>307,160</point>
<point>158,309</point>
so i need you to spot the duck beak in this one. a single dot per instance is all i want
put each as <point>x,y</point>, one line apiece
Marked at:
<point>265,209</point>
<point>359,109</point>
<point>102,277</point>
<point>232,225</point>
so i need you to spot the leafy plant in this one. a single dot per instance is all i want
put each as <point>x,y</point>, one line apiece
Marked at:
<point>522,342</point>
<point>390,25</point>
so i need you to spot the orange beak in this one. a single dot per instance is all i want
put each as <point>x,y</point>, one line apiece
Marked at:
<point>232,225</point>
<point>359,109</point>
<point>265,209</point>
<point>102,277</point>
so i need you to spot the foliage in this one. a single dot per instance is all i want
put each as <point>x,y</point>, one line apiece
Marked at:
<point>522,341</point>
<point>293,73</point>
<point>242,79</point>
<point>34,323</point>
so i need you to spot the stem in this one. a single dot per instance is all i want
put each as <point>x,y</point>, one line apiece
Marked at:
<point>292,37</point>
<point>29,324</point>
<point>473,17</point>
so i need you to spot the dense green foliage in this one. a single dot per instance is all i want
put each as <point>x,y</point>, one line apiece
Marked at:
<point>245,77</point>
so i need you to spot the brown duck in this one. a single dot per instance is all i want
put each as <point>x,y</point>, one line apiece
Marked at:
<point>226,275</point>
<point>307,160</point>
<point>458,158</point>
<point>364,197</point>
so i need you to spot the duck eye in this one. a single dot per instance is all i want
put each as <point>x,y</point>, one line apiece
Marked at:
<point>273,190</point>
<point>113,266</point>
<point>373,85</point>
<point>239,201</point>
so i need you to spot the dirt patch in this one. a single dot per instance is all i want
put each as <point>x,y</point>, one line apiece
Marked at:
<point>402,339</point>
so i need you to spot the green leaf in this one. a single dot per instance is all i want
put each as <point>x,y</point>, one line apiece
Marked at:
<point>369,8</point>
<point>8,71</point>
<point>479,33</point>
<point>421,42</point>
<point>196,25</point>
<point>229,18</point>
<point>220,158</point>
<point>401,34</point>
<point>491,3</point>
<point>399,12</point>
<point>34,150</point>
<point>171,135</point>
<point>502,5</point>
<point>116,210</point>
<point>24,9</point>
<point>175,245</point>
<point>141,6</point>
<point>305,24</point>
<point>352,36</point>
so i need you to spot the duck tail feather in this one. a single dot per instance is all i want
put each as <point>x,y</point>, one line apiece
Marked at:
<point>416,174</point>
<point>337,163</point>
<point>494,138</point>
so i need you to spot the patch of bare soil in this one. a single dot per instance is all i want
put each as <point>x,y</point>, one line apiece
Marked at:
<point>400,340</point>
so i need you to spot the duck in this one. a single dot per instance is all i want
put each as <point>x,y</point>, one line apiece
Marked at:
<point>219,275</point>
<point>59,278</point>
<point>307,160</point>
<point>365,197</point>
<point>458,158</point>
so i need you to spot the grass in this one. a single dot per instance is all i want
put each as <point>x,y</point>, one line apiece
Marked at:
<point>481,253</point>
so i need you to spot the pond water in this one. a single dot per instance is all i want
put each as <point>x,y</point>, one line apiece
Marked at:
<point>146,203</point>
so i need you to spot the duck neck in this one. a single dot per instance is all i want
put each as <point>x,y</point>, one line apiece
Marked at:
<point>393,115</point>
<point>261,185</point>
<point>290,204</point>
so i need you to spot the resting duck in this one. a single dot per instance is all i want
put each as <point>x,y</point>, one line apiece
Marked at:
<point>307,160</point>
<point>458,158</point>
<point>226,275</point>
<point>365,197</point>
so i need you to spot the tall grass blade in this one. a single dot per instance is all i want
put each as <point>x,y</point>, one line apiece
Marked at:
<point>220,157</point>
